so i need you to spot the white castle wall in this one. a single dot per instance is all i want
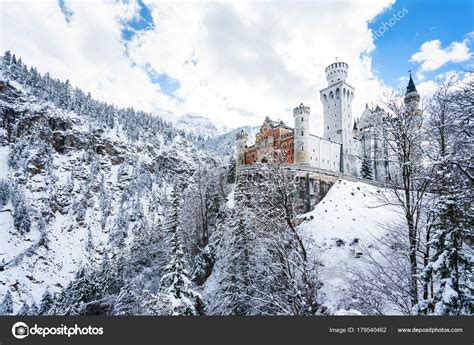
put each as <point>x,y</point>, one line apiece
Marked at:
<point>324,154</point>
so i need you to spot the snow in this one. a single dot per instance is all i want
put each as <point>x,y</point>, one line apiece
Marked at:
<point>230,199</point>
<point>350,217</point>
<point>449,295</point>
<point>197,124</point>
<point>4,152</point>
<point>350,312</point>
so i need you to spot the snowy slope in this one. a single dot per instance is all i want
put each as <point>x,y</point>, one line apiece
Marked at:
<point>350,217</point>
<point>92,186</point>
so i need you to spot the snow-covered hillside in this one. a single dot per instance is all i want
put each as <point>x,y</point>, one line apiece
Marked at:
<point>347,222</point>
<point>76,188</point>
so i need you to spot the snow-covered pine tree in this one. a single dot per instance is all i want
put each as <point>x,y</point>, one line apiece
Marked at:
<point>235,286</point>
<point>175,281</point>
<point>24,310</point>
<point>46,303</point>
<point>108,278</point>
<point>127,302</point>
<point>6,307</point>
<point>21,215</point>
<point>366,170</point>
<point>451,265</point>
<point>231,172</point>
<point>4,193</point>
<point>449,268</point>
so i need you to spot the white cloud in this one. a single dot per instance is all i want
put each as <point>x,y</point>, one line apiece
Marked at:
<point>426,89</point>
<point>250,59</point>
<point>456,79</point>
<point>432,56</point>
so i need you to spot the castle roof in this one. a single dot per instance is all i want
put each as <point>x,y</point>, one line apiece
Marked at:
<point>411,86</point>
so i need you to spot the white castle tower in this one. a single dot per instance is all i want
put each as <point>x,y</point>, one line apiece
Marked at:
<point>301,135</point>
<point>338,124</point>
<point>241,143</point>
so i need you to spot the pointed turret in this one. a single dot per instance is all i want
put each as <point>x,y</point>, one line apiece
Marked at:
<point>412,98</point>
<point>411,86</point>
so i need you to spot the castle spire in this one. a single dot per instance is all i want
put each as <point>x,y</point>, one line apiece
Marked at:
<point>411,85</point>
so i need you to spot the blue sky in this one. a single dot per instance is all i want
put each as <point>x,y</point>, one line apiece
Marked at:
<point>426,20</point>
<point>143,22</point>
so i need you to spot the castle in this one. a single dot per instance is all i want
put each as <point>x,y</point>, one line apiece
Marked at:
<point>345,143</point>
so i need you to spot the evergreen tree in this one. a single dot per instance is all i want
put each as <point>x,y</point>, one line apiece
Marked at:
<point>450,264</point>
<point>234,296</point>
<point>46,303</point>
<point>4,193</point>
<point>6,307</point>
<point>108,280</point>
<point>175,281</point>
<point>128,302</point>
<point>33,309</point>
<point>231,170</point>
<point>24,310</point>
<point>366,169</point>
<point>21,217</point>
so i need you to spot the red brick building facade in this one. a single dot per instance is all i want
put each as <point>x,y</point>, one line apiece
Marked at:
<point>273,137</point>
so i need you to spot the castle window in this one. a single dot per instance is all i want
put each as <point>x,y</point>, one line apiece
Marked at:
<point>302,133</point>
<point>302,119</point>
<point>328,127</point>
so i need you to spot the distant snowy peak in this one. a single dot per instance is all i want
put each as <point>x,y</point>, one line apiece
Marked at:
<point>165,115</point>
<point>197,124</point>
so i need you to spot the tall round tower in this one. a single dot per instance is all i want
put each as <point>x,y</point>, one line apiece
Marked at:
<point>337,100</point>
<point>336,72</point>
<point>301,135</point>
